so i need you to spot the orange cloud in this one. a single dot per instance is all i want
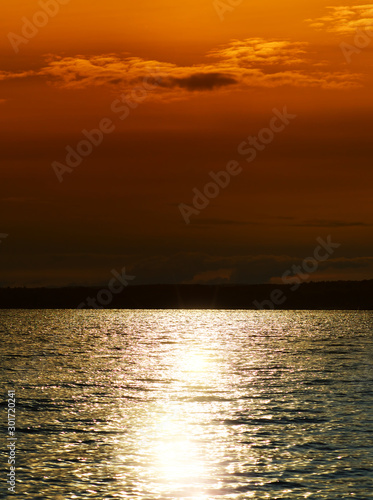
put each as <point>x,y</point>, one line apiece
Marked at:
<point>345,19</point>
<point>239,64</point>
<point>10,75</point>
<point>257,52</point>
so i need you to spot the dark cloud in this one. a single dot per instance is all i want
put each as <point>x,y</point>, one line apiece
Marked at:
<point>221,222</point>
<point>183,267</point>
<point>331,223</point>
<point>306,223</point>
<point>356,263</point>
<point>200,81</point>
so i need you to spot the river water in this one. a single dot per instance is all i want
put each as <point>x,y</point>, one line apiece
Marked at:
<point>189,404</point>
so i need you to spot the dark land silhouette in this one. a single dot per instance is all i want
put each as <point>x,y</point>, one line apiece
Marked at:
<point>338,295</point>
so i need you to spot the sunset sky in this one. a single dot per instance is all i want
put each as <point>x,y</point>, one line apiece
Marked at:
<point>199,78</point>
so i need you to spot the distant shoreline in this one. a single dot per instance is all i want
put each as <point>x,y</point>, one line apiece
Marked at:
<point>332,295</point>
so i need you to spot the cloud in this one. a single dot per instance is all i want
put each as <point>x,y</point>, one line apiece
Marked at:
<point>331,223</point>
<point>215,277</point>
<point>282,221</point>
<point>21,199</point>
<point>240,64</point>
<point>344,19</point>
<point>239,269</point>
<point>184,267</point>
<point>13,75</point>
<point>222,222</point>
<point>206,269</point>
<point>352,263</point>
<point>200,81</point>
<point>259,52</point>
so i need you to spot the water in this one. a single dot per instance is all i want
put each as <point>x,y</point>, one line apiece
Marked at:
<point>190,404</point>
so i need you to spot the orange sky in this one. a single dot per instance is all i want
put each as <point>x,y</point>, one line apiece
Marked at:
<point>213,79</point>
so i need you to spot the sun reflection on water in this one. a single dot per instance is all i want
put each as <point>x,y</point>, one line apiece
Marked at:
<point>180,461</point>
<point>177,454</point>
<point>178,434</point>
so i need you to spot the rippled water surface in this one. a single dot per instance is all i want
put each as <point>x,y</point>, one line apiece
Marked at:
<point>190,404</point>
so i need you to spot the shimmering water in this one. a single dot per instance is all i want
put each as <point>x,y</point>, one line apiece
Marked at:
<point>190,404</point>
